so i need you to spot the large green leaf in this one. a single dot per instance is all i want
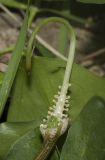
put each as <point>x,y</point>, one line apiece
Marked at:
<point>92,1</point>
<point>27,147</point>
<point>33,97</point>
<point>86,137</point>
<point>21,141</point>
<point>10,133</point>
<point>30,101</point>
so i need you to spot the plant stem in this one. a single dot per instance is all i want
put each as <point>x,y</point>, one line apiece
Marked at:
<point>71,49</point>
<point>49,144</point>
<point>59,108</point>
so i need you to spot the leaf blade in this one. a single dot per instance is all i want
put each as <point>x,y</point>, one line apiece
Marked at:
<point>44,85</point>
<point>12,132</point>
<point>86,136</point>
<point>15,60</point>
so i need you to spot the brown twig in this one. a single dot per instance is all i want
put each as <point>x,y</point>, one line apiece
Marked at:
<point>93,54</point>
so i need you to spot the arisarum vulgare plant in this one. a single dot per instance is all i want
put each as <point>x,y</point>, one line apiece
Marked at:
<point>57,121</point>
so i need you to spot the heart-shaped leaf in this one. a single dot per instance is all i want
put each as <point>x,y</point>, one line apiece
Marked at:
<point>30,101</point>
<point>86,137</point>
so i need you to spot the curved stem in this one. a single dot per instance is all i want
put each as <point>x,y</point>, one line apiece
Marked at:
<point>71,49</point>
<point>61,101</point>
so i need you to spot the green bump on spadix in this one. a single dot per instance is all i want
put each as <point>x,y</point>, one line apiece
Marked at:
<point>53,122</point>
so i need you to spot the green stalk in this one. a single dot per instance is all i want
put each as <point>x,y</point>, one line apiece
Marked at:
<point>71,49</point>
<point>49,144</point>
<point>62,98</point>
<point>13,65</point>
